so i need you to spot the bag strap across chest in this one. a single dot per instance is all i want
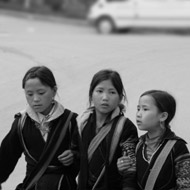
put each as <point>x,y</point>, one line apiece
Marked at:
<point>114,143</point>
<point>49,151</point>
<point>158,165</point>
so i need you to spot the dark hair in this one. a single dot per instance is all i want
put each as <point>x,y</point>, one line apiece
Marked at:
<point>164,101</point>
<point>115,78</point>
<point>43,73</point>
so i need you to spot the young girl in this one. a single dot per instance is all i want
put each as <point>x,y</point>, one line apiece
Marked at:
<point>42,137</point>
<point>104,138</point>
<point>155,110</point>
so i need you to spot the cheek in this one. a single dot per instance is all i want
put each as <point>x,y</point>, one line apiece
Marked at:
<point>28,98</point>
<point>150,118</point>
<point>94,98</point>
<point>116,101</point>
<point>48,99</point>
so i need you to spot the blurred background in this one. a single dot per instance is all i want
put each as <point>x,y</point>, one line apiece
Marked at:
<point>55,33</point>
<point>72,8</point>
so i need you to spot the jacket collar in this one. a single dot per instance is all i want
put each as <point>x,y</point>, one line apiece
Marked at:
<point>116,112</point>
<point>56,111</point>
<point>168,135</point>
<point>83,118</point>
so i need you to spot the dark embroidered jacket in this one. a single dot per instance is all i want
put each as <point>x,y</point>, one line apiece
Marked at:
<point>90,171</point>
<point>11,148</point>
<point>175,173</point>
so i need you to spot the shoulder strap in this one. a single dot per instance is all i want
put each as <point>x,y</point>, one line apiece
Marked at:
<point>97,140</point>
<point>114,143</point>
<point>158,165</point>
<point>138,146</point>
<point>21,123</point>
<point>49,152</point>
<point>116,136</point>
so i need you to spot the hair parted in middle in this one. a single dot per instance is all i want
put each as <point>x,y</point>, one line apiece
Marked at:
<point>114,77</point>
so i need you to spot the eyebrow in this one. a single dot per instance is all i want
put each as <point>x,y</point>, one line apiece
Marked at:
<point>144,105</point>
<point>41,89</point>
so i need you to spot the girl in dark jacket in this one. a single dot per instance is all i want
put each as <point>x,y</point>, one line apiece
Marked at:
<point>38,133</point>
<point>155,110</point>
<point>98,127</point>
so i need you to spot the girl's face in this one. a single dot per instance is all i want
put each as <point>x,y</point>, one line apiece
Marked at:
<point>105,97</point>
<point>39,96</point>
<point>148,116</point>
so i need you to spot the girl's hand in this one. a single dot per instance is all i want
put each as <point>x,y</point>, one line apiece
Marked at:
<point>124,164</point>
<point>66,158</point>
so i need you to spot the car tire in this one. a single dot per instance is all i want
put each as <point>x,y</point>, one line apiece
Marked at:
<point>105,25</point>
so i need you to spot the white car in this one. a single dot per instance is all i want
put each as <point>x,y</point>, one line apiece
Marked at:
<point>110,15</point>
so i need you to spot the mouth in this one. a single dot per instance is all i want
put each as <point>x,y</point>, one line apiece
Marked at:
<point>104,105</point>
<point>37,106</point>
<point>138,122</point>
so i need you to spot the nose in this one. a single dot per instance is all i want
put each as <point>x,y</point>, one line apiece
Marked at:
<point>36,98</point>
<point>138,114</point>
<point>105,96</point>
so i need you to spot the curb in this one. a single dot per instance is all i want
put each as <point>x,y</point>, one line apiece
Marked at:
<point>45,17</point>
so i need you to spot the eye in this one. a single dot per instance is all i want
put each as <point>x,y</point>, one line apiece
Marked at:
<point>113,92</point>
<point>29,93</point>
<point>99,91</point>
<point>41,93</point>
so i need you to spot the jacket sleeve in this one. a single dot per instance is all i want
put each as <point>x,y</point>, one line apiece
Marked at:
<point>10,152</point>
<point>182,165</point>
<point>128,143</point>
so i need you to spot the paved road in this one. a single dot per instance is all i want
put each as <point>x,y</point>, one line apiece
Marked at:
<point>145,60</point>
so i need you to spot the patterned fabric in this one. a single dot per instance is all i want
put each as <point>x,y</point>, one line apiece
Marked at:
<point>151,146</point>
<point>182,167</point>
<point>128,148</point>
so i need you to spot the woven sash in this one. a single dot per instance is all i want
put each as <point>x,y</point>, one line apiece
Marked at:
<point>98,139</point>
<point>114,143</point>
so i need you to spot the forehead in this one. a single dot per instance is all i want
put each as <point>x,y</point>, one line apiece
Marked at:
<point>105,84</point>
<point>147,100</point>
<point>34,83</point>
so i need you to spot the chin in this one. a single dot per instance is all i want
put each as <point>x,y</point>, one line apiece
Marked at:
<point>141,128</point>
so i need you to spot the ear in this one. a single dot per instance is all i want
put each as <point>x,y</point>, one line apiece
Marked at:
<point>55,90</point>
<point>121,98</point>
<point>164,116</point>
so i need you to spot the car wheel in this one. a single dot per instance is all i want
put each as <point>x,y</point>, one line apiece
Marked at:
<point>105,26</point>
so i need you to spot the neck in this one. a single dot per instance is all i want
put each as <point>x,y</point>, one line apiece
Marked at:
<point>156,133</point>
<point>100,119</point>
<point>48,110</point>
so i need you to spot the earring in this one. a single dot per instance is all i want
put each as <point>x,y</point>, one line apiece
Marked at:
<point>53,101</point>
<point>162,124</point>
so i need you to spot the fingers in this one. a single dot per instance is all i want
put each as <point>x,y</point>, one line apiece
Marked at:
<point>65,154</point>
<point>66,158</point>
<point>124,163</point>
